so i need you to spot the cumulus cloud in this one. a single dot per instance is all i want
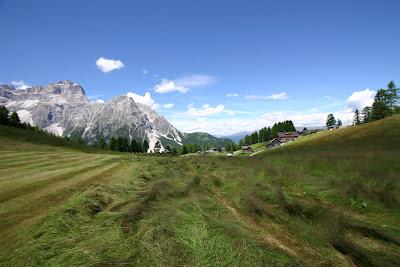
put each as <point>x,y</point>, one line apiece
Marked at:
<point>183,84</point>
<point>361,99</point>
<point>107,65</point>
<point>167,86</point>
<point>205,110</point>
<point>168,105</point>
<point>232,95</point>
<point>195,80</point>
<point>20,85</point>
<point>279,96</point>
<point>146,99</point>
<point>229,126</point>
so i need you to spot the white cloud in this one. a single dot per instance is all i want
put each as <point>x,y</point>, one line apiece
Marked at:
<point>279,96</point>
<point>183,84</point>
<point>205,110</point>
<point>168,105</point>
<point>99,101</point>
<point>229,126</point>
<point>146,99</point>
<point>107,65</point>
<point>361,99</point>
<point>167,86</point>
<point>309,118</point>
<point>144,71</point>
<point>20,85</point>
<point>232,95</point>
<point>195,80</point>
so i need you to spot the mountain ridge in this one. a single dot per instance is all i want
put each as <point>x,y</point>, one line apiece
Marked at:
<point>63,109</point>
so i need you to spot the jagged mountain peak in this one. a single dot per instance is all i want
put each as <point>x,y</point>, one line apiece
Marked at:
<point>64,87</point>
<point>62,108</point>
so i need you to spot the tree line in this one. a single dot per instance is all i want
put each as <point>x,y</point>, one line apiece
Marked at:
<point>265,134</point>
<point>122,144</point>
<point>115,144</point>
<point>38,135</point>
<point>194,148</point>
<point>386,103</point>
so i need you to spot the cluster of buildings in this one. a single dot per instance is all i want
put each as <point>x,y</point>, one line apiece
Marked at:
<point>283,137</point>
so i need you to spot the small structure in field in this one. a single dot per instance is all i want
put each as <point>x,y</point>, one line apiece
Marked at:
<point>284,137</point>
<point>213,150</point>
<point>247,149</point>
<point>229,155</point>
<point>274,143</point>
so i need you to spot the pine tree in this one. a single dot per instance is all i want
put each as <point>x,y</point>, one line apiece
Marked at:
<point>134,146</point>
<point>330,121</point>
<point>357,120</point>
<point>145,146</point>
<point>101,144</point>
<point>392,93</point>
<point>381,105</point>
<point>367,114</point>
<point>339,123</point>
<point>184,150</point>
<point>4,116</point>
<point>241,142</point>
<point>157,147</point>
<point>112,144</point>
<point>268,134</point>
<point>14,119</point>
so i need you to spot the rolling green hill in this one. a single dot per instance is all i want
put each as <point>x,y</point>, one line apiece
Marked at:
<point>205,139</point>
<point>330,199</point>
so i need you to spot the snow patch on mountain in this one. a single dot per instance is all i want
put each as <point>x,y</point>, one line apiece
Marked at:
<point>55,129</point>
<point>63,109</point>
<point>25,116</point>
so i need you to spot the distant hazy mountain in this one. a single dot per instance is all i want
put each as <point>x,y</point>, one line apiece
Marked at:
<point>62,108</point>
<point>236,137</point>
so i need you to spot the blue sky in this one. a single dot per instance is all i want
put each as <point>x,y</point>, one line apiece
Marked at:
<point>275,59</point>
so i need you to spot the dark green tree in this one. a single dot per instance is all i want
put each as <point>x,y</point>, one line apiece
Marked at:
<point>357,120</point>
<point>4,116</point>
<point>330,121</point>
<point>184,150</point>
<point>381,105</point>
<point>157,147</point>
<point>112,145</point>
<point>339,123</point>
<point>145,145</point>
<point>102,143</point>
<point>134,147</point>
<point>241,142</point>
<point>367,114</point>
<point>393,96</point>
<point>14,120</point>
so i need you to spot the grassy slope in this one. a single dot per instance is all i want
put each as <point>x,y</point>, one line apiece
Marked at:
<point>328,199</point>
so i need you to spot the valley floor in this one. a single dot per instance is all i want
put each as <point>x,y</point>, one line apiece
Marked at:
<point>326,200</point>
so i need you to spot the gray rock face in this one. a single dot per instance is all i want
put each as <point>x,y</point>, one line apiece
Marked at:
<point>62,108</point>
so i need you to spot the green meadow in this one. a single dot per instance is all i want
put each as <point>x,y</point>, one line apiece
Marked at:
<point>327,199</point>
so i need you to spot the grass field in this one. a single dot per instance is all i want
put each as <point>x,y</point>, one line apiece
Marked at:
<point>330,199</point>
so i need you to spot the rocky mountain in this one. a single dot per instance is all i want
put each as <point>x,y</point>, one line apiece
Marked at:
<point>63,108</point>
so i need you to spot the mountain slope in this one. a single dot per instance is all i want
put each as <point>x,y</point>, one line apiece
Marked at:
<point>63,109</point>
<point>205,139</point>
